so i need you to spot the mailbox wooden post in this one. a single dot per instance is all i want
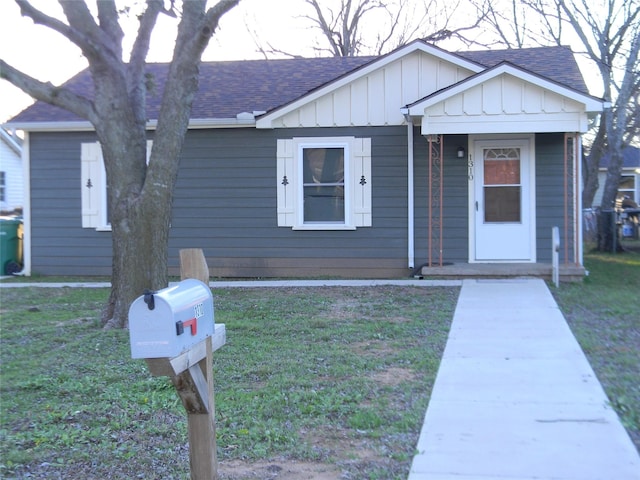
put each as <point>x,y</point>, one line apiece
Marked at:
<point>203,459</point>
<point>191,373</point>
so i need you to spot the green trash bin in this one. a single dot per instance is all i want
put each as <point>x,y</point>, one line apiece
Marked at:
<point>10,245</point>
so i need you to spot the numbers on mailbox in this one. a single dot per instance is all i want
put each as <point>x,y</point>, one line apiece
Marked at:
<point>198,310</point>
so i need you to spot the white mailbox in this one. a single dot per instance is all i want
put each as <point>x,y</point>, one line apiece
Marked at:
<point>168,322</point>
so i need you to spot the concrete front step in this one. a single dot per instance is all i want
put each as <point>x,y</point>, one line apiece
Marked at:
<point>568,273</point>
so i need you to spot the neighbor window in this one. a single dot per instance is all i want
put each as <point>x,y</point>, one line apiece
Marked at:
<point>627,187</point>
<point>324,183</point>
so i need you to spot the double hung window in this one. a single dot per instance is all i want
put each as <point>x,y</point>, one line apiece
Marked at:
<point>324,183</point>
<point>627,187</point>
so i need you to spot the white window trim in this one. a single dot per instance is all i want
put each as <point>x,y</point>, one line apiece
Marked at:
<point>290,186</point>
<point>300,146</point>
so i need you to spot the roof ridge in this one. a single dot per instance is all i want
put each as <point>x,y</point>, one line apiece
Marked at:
<point>510,49</point>
<point>228,87</point>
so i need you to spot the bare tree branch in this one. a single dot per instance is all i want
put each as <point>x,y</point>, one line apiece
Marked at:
<point>74,35</point>
<point>108,18</point>
<point>215,13</point>
<point>141,44</point>
<point>139,196</point>
<point>375,27</point>
<point>27,10</point>
<point>88,35</point>
<point>399,28</point>
<point>58,96</point>
<point>137,61</point>
<point>342,29</point>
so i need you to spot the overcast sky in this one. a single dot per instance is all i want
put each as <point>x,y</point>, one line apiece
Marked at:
<point>48,56</point>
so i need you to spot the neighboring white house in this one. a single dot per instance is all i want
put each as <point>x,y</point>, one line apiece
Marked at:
<point>630,179</point>
<point>11,176</point>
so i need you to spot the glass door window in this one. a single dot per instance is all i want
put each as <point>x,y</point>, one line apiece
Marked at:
<point>502,185</point>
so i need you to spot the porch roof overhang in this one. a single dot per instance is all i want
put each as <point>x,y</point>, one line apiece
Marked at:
<point>504,99</point>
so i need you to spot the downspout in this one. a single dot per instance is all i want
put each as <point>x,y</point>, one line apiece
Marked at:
<point>26,208</point>
<point>410,205</point>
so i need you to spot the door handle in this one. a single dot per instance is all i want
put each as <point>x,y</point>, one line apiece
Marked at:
<point>476,206</point>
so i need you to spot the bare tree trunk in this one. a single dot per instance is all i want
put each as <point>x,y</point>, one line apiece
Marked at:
<point>142,204</point>
<point>139,214</point>
<point>139,256</point>
<point>591,166</point>
<point>608,238</point>
<point>610,190</point>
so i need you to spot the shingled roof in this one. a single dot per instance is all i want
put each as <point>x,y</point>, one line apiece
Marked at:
<point>630,158</point>
<point>231,87</point>
<point>555,63</point>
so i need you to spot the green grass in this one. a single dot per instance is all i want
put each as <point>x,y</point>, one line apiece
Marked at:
<point>333,376</point>
<point>604,314</point>
<point>307,374</point>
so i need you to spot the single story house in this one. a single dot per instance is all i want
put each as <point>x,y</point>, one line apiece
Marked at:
<point>629,186</point>
<point>11,185</point>
<point>364,167</point>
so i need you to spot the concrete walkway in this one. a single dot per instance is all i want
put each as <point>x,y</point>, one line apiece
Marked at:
<point>515,397</point>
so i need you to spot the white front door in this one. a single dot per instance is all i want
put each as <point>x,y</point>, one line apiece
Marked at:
<point>502,201</point>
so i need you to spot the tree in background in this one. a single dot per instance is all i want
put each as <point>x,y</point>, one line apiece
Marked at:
<point>348,28</point>
<point>609,34</point>
<point>140,195</point>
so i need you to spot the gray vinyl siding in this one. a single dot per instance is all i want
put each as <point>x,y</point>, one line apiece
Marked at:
<point>456,198</point>
<point>455,243</point>
<point>226,204</point>
<point>59,244</point>
<point>550,196</point>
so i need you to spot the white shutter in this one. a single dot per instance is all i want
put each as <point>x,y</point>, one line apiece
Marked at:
<point>92,183</point>
<point>285,173</point>
<point>361,182</point>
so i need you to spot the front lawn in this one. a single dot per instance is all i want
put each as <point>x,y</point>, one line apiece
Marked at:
<point>321,383</point>
<point>604,315</point>
<point>332,380</point>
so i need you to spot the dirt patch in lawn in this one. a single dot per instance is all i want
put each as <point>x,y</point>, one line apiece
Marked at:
<point>281,470</point>
<point>352,451</point>
<point>394,376</point>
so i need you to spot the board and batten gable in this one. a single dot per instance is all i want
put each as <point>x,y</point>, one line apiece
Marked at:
<point>527,107</point>
<point>504,99</point>
<point>372,97</point>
